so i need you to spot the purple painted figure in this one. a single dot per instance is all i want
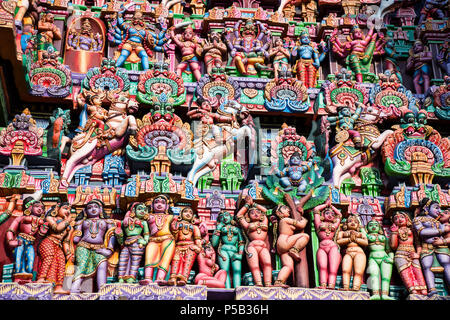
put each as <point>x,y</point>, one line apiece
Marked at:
<point>95,244</point>
<point>433,244</point>
<point>418,62</point>
<point>85,39</point>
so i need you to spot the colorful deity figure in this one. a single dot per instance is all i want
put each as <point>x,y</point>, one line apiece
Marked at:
<point>85,39</point>
<point>406,256</point>
<point>133,234</point>
<point>47,33</point>
<point>279,53</point>
<point>352,237</point>
<point>137,38</point>
<point>96,114</point>
<point>209,274</point>
<point>249,46</point>
<point>214,51</point>
<point>229,240</point>
<point>358,50</point>
<point>290,240</point>
<point>436,9</point>
<point>187,245</point>
<point>292,174</point>
<point>326,222</point>
<point>191,49</point>
<point>252,217</point>
<point>308,59</point>
<point>21,236</point>
<point>433,243</point>
<point>345,124</point>
<point>391,58</point>
<point>161,245</point>
<point>54,249</point>
<point>94,239</point>
<point>443,58</point>
<point>418,62</point>
<point>380,261</point>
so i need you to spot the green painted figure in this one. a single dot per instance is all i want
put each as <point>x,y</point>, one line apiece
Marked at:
<point>133,235</point>
<point>229,241</point>
<point>381,260</point>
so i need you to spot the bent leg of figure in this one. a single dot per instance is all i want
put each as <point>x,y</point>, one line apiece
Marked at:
<point>60,261</point>
<point>386,272</point>
<point>444,260</point>
<point>174,268</point>
<point>240,65</point>
<point>416,81</point>
<point>374,271</point>
<point>144,59</point>
<point>181,68</point>
<point>359,266</point>
<point>188,263</point>
<point>286,270</point>
<point>29,254</point>
<point>168,251</point>
<point>253,263</point>
<point>322,263</point>
<point>124,54</point>
<point>46,254</point>
<point>224,262</point>
<point>152,257</point>
<point>123,263</point>
<point>136,257</point>
<point>417,274</point>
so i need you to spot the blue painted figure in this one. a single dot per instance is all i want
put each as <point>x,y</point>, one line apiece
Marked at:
<point>291,176</point>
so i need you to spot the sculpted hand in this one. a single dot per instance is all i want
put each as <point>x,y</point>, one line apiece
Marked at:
<point>142,243</point>
<point>196,248</point>
<point>237,256</point>
<point>414,255</point>
<point>15,243</point>
<point>104,252</point>
<point>394,228</point>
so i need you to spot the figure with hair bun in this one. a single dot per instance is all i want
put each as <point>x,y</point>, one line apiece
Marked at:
<point>132,234</point>
<point>95,240</point>
<point>54,249</point>
<point>433,243</point>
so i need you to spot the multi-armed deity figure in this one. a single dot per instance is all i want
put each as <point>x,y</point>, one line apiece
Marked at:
<point>326,221</point>
<point>391,58</point>
<point>406,256</point>
<point>433,9</point>
<point>21,236</point>
<point>54,249</point>
<point>187,245</point>
<point>252,217</point>
<point>228,239</point>
<point>291,240</point>
<point>249,46</point>
<point>353,239</point>
<point>95,244</point>
<point>214,51</point>
<point>161,246</point>
<point>433,242</point>
<point>358,50</point>
<point>345,124</point>
<point>191,49</point>
<point>307,59</point>
<point>418,62</point>
<point>85,39</point>
<point>47,33</point>
<point>133,234</point>
<point>380,262</point>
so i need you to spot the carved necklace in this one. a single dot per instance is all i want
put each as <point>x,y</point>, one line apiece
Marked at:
<point>97,227</point>
<point>403,233</point>
<point>34,224</point>
<point>131,224</point>
<point>159,221</point>
<point>230,232</point>
<point>185,228</point>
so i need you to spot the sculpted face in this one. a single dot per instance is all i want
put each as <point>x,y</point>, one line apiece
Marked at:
<point>414,126</point>
<point>345,112</point>
<point>254,214</point>
<point>284,211</point>
<point>141,210</point>
<point>328,215</point>
<point>187,214</point>
<point>352,223</point>
<point>93,210</point>
<point>435,210</point>
<point>418,47</point>
<point>160,205</point>
<point>357,34</point>
<point>373,226</point>
<point>295,160</point>
<point>209,252</point>
<point>304,39</point>
<point>400,220</point>
<point>37,209</point>
<point>188,34</point>
<point>226,217</point>
<point>64,211</point>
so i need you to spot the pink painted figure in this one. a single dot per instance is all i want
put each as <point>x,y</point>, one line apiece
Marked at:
<point>252,218</point>
<point>208,271</point>
<point>291,240</point>
<point>191,48</point>
<point>326,221</point>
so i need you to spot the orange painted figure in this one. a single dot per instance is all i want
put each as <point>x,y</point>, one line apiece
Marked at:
<point>353,239</point>
<point>188,245</point>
